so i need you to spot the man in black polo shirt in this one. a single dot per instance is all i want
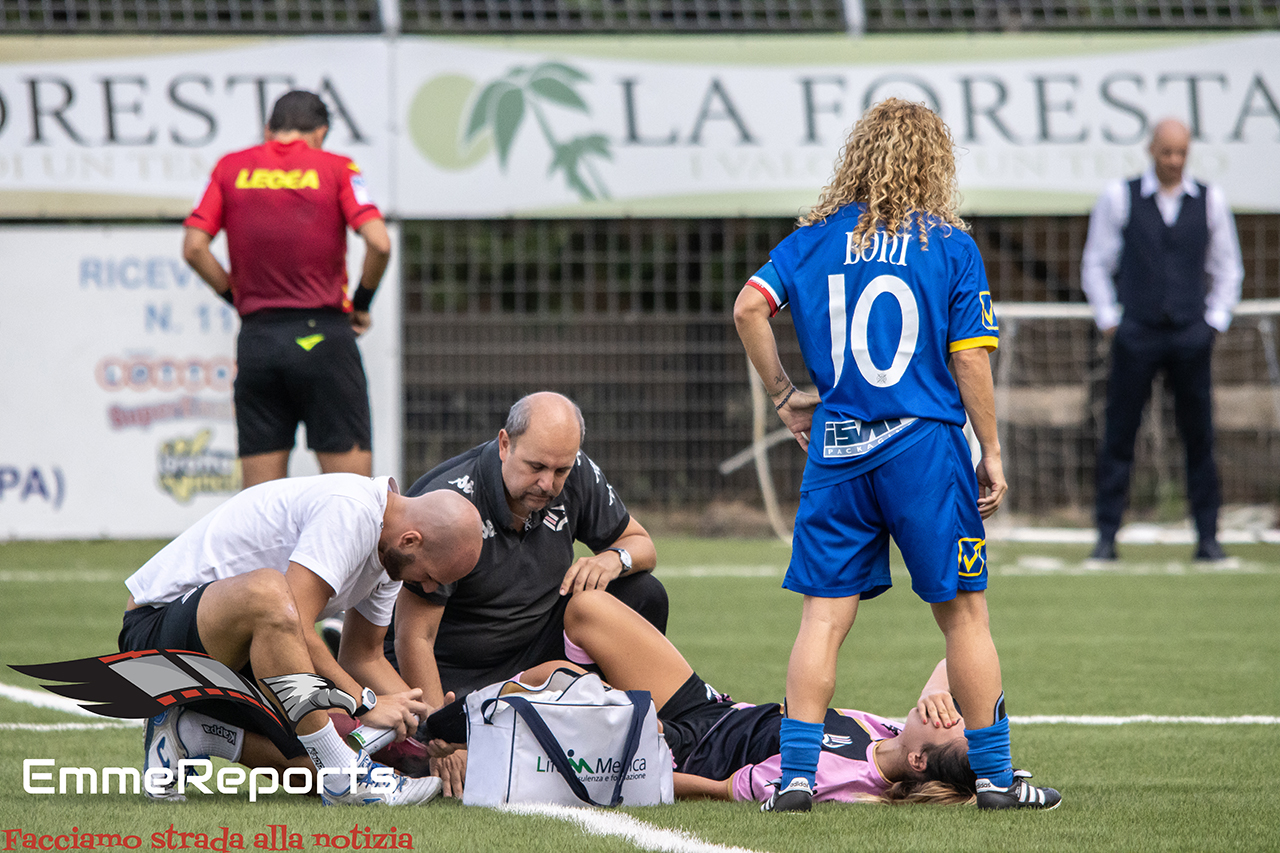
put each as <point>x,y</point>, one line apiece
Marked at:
<point>1154,244</point>
<point>537,493</point>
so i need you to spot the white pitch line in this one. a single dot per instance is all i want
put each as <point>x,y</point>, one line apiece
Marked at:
<point>69,727</point>
<point>727,570</point>
<point>641,834</point>
<point>1091,720</point>
<point>43,576</point>
<point>44,699</point>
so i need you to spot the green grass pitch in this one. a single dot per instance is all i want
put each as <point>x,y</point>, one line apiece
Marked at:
<point>1155,636</point>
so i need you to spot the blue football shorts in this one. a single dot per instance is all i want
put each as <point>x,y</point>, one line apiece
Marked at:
<point>926,498</point>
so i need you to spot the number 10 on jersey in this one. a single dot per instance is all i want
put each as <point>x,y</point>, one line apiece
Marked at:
<point>855,331</point>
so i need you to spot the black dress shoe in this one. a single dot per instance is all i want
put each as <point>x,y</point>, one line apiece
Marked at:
<point>1104,550</point>
<point>1210,551</point>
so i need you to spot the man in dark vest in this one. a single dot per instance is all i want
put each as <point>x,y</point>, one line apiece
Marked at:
<point>1162,270</point>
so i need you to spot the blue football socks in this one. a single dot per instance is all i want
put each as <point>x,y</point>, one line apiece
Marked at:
<point>801,746</point>
<point>990,755</point>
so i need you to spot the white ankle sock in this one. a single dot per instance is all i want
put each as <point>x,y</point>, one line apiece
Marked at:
<point>327,749</point>
<point>203,735</point>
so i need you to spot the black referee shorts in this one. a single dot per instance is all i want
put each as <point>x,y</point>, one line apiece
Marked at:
<point>300,366</point>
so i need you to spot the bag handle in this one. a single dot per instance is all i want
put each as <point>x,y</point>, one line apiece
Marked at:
<point>640,700</point>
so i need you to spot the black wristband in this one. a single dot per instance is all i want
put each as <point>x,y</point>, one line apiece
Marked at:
<point>362,298</point>
<point>229,296</point>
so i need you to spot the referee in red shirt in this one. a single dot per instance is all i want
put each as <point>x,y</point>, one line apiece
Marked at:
<point>286,206</point>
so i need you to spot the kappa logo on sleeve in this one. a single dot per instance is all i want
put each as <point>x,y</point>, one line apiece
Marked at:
<point>973,557</point>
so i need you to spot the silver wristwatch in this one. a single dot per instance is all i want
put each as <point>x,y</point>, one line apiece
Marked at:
<point>368,699</point>
<point>626,559</point>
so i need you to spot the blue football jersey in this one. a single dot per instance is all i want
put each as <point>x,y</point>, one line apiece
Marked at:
<point>876,327</point>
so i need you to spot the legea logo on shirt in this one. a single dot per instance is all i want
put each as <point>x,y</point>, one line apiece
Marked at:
<point>277,179</point>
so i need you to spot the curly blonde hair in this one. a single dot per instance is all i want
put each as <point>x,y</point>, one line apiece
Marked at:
<point>899,160</point>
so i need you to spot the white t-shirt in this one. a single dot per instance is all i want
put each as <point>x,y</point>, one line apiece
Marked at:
<point>329,523</point>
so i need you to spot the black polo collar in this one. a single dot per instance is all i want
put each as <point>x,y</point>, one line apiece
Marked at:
<point>493,491</point>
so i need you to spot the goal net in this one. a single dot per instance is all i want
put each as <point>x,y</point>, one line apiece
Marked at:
<point>1051,371</point>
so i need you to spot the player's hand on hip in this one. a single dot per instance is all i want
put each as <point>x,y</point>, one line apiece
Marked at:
<point>399,711</point>
<point>797,414</point>
<point>991,485</point>
<point>361,321</point>
<point>592,572</point>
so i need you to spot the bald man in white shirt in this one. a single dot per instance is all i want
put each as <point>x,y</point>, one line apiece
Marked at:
<point>246,585</point>
<point>1162,270</point>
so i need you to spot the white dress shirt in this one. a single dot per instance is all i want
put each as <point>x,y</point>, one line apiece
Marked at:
<point>1102,248</point>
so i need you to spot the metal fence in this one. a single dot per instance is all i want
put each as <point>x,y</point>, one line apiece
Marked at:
<point>634,16</point>
<point>532,16</point>
<point>632,318</point>
<point>1031,15</point>
<point>291,17</point>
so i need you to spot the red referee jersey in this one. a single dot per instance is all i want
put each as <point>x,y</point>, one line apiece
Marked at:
<point>286,208</point>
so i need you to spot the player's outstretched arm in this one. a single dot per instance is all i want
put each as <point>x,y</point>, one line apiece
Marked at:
<point>689,787</point>
<point>972,369</point>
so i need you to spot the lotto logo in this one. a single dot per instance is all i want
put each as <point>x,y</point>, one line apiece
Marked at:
<point>973,557</point>
<point>165,374</point>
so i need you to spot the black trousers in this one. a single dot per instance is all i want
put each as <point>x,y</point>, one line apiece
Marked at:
<point>1183,355</point>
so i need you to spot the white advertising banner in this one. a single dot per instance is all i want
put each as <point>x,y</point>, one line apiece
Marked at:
<point>727,126</point>
<point>614,126</point>
<point>116,391</point>
<point>132,126</point>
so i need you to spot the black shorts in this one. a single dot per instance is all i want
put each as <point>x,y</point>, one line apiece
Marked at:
<point>173,626</point>
<point>710,737</point>
<point>300,366</point>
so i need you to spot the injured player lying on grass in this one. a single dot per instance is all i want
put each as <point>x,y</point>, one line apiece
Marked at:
<point>729,750</point>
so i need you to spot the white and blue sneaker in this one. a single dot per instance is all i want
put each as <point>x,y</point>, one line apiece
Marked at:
<point>796,797</point>
<point>163,748</point>
<point>378,784</point>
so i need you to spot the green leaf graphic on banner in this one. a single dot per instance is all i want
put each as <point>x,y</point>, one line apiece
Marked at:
<point>507,114</point>
<point>501,109</point>
<point>559,69</point>
<point>553,90</point>
<point>572,154</point>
